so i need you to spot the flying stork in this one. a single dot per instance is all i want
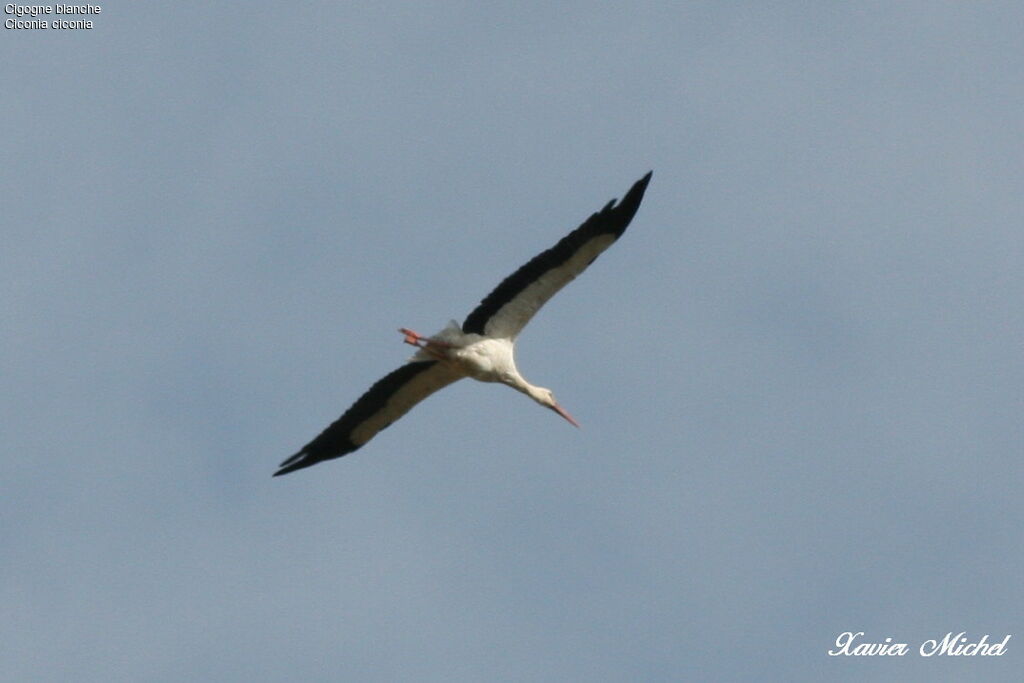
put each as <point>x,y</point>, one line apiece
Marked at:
<point>483,347</point>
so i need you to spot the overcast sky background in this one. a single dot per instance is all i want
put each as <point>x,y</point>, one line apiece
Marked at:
<point>799,373</point>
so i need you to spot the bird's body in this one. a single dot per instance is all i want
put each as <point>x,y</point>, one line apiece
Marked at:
<point>487,359</point>
<point>483,347</point>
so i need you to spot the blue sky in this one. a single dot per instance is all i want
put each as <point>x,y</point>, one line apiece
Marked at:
<point>799,372</point>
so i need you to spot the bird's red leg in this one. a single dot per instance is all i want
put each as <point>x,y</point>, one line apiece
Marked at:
<point>412,338</point>
<point>417,339</point>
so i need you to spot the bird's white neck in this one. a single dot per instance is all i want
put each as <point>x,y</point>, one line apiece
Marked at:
<point>538,394</point>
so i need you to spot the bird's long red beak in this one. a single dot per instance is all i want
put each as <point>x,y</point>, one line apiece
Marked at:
<point>561,411</point>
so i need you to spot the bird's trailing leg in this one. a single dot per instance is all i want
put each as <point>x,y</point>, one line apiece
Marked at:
<point>431,346</point>
<point>412,338</point>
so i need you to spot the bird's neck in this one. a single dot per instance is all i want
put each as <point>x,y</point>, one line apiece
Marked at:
<point>520,384</point>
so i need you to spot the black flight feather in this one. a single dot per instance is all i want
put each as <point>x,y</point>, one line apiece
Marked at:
<point>611,220</point>
<point>334,441</point>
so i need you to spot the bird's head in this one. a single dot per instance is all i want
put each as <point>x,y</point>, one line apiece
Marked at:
<point>546,398</point>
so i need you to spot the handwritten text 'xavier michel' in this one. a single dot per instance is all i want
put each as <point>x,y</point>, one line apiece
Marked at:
<point>952,645</point>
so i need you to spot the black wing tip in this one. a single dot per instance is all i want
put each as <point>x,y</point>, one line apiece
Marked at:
<point>636,193</point>
<point>617,215</point>
<point>633,195</point>
<point>295,462</point>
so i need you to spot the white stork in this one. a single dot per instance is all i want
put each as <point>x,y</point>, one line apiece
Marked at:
<point>483,347</point>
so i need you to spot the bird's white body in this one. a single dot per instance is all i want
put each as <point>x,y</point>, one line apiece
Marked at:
<point>483,347</point>
<point>487,359</point>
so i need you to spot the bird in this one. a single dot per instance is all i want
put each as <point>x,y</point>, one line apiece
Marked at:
<point>483,346</point>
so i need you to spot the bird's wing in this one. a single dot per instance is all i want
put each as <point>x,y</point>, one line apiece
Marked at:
<point>506,310</point>
<point>386,401</point>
